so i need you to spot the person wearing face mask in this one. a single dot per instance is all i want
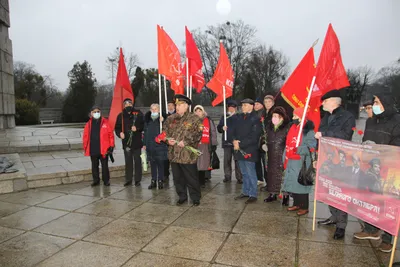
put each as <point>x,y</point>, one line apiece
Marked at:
<point>98,142</point>
<point>293,161</point>
<point>227,145</point>
<point>276,132</point>
<point>246,135</point>
<point>157,153</point>
<point>382,128</point>
<point>129,127</point>
<point>337,123</point>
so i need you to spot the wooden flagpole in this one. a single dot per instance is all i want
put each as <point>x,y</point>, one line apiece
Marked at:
<point>315,191</point>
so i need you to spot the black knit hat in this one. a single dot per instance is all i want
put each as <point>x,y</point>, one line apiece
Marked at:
<point>95,107</point>
<point>259,100</point>
<point>128,100</point>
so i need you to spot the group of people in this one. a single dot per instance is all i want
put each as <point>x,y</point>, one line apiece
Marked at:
<point>261,141</point>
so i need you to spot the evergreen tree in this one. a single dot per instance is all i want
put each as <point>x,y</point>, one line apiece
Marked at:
<point>81,93</point>
<point>249,88</point>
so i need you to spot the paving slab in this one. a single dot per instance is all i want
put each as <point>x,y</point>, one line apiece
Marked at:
<point>153,260</point>
<point>49,172</point>
<point>10,208</point>
<point>74,225</point>
<point>30,218</point>
<point>68,202</point>
<point>221,202</point>
<point>246,250</point>
<point>31,197</point>
<point>134,194</point>
<point>84,254</point>
<point>126,234</point>
<point>187,243</point>
<point>314,253</point>
<point>155,213</point>
<point>8,233</point>
<point>208,219</point>
<point>112,208</point>
<point>30,248</point>
<point>98,191</point>
<point>49,162</point>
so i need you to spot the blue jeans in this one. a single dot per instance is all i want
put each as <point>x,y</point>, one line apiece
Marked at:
<point>249,174</point>
<point>157,169</point>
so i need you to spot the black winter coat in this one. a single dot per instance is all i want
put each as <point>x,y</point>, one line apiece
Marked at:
<point>155,151</point>
<point>276,143</point>
<point>231,122</point>
<point>135,118</point>
<point>248,131</point>
<point>339,124</point>
<point>384,129</point>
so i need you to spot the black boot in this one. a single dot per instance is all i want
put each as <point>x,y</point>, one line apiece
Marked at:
<point>153,185</point>
<point>285,201</point>
<point>270,198</point>
<point>160,184</point>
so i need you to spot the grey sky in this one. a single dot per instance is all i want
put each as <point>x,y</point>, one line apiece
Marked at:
<point>54,34</point>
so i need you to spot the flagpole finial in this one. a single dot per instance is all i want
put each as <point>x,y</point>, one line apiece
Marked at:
<point>315,43</point>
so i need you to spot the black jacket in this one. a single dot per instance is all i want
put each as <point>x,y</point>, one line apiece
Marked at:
<point>248,132</point>
<point>155,151</point>
<point>231,123</point>
<point>384,129</point>
<point>339,124</point>
<point>134,118</point>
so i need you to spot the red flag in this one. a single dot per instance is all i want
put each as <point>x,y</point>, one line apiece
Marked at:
<point>193,54</point>
<point>198,80</point>
<point>223,76</point>
<point>169,61</point>
<point>330,73</point>
<point>122,90</point>
<point>296,89</point>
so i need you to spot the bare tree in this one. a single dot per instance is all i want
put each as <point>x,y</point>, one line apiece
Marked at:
<point>359,78</point>
<point>131,62</point>
<point>239,41</point>
<point>269,68</point>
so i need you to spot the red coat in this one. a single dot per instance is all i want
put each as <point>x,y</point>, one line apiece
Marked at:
<point>106,137</point>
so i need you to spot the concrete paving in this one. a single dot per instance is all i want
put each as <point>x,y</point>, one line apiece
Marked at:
<point>76,225</point>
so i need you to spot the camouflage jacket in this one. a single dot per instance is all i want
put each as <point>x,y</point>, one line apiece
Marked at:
<point>189,129</point>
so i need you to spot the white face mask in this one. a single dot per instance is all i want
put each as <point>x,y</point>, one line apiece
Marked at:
<point>96,115</point>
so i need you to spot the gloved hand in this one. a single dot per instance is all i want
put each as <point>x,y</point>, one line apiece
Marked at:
<point>110,150</point>
<point>368,142</point>
<point>213,148</point>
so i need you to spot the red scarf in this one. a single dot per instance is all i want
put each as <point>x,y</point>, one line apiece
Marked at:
<point>291,140</point>
<point>205,139</point>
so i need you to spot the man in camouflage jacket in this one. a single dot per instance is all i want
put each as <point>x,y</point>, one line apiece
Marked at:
<point>184,129</point>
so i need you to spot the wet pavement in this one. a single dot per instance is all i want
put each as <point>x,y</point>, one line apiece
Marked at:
<point>76,225</point>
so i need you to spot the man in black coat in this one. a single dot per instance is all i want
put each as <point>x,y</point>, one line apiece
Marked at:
<point>382,128</point>
<point>227,145</point>
<point>129,127</point>
<point>337,123</point>
<point>246,136</point>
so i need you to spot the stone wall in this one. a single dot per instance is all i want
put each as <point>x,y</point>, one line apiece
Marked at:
<point>56,113</point>
<point>7,96</point>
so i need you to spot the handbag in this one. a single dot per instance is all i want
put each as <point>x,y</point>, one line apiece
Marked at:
<point>307,174</point>
<point>214,161</point>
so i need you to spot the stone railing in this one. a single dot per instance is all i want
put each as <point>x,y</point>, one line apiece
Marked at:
<point>55,114</point>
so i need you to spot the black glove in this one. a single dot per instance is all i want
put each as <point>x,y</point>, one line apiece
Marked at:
<point>213,148</point>
<point>110,150</point>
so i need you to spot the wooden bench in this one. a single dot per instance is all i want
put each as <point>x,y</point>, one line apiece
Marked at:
<point>46,121</point>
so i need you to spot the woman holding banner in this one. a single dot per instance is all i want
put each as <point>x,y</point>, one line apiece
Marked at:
<point>293,161</point>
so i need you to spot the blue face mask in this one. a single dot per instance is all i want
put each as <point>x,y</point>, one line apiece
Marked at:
<point>376,110</point>
<point>154,115</point>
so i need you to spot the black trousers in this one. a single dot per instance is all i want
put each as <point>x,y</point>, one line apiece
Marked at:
<point>104,169</point>
<point>260,168</point>
<point>186,178</point>
<point>301,200</point>
<point>166,169</point>
<point>228,156</point>
<point>202,177</point>
<point>132,156</point>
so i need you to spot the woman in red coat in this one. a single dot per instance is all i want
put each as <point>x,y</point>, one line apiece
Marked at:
<point>98,142</point>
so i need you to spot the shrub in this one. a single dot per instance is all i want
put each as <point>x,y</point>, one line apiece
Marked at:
<point>27,112</point>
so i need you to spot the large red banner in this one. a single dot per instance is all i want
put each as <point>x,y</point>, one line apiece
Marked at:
<point>362,180</point>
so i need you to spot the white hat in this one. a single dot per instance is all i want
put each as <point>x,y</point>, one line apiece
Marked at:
<point>199,107</point>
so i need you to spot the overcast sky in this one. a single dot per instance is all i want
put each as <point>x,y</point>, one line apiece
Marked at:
<point>54,34</point>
